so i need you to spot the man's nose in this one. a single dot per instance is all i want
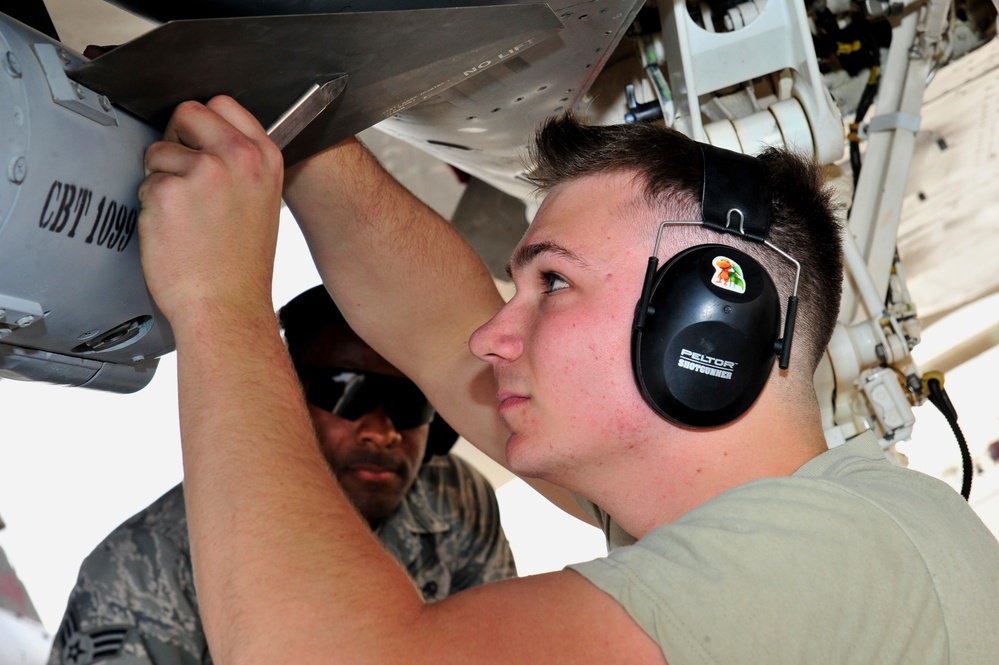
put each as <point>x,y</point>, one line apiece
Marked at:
<point>496,339</point>
<point>377,429</point>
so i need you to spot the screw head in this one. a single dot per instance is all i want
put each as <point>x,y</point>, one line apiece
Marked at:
<point>12,65</point>
<point>17,169</point>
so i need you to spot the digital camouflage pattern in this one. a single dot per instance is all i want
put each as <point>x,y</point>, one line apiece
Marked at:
<point>135,602</point>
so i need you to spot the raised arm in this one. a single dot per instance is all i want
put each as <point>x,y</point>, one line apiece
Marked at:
<point>286,569</point>
<point>403,277</point>
<point>409,284</point>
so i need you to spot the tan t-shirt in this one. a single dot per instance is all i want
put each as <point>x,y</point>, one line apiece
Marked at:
<point>849,560</point>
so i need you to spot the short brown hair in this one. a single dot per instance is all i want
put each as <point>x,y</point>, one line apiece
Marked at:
<point>670,167</point>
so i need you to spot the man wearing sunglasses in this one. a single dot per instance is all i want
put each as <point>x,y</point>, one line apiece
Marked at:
<point>135,600</point>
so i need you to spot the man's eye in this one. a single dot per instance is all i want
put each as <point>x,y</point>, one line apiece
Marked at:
<point>553,282</point>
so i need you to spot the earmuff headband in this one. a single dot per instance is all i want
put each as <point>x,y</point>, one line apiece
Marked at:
<point>735,195</point>
<point>736,198</point>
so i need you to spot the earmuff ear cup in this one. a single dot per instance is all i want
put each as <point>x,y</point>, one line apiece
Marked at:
<point>706,347</point>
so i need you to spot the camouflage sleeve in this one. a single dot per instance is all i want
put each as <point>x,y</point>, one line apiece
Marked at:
<point>134,600</point>
<point>481,551</point>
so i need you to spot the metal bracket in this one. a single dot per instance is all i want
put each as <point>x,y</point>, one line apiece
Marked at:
<point>890,406</point>
<point>70,94</point>
<point>18,313</point>
<point>890,121</point>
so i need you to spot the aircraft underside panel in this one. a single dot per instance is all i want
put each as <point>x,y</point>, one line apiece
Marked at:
<point>481,124</point>
<point>393,61</point>
<point>484,124</point>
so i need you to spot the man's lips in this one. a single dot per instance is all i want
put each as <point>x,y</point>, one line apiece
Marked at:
<point>375,471</point>
<point>373,474</point>
<point>509,400</point>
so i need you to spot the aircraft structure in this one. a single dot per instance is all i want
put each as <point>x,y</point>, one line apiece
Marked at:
<point>23,638</point>
<point>466,81</point>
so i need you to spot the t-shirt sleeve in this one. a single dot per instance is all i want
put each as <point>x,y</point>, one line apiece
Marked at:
<point>757,575</point>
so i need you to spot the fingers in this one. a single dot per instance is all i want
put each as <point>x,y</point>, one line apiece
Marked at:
<point>222,127</point>
<point>189,124</point>
<point>201,126</point>
<point>214,177</point>
<point>169,157</point>
<point>230,110</point>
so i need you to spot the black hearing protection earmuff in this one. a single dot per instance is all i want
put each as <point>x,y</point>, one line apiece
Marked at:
<point>706,327</point>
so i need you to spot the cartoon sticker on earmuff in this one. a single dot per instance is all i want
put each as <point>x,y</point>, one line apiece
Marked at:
<point>728,275</point>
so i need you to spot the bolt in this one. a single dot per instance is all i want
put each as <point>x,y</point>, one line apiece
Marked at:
<point>105,102</point>
<point>87,335</point>
<point>11,65</point>
<point>25,321</point>
<point>4,332</point>
<point>78,89</point>
<point>17,169</point>
<point>64,57</point>
<point>3,314</point>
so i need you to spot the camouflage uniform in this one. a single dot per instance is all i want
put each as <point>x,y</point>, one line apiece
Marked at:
<point>134,601</point>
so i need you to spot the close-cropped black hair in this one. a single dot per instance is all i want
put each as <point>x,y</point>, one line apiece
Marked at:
<point>669,166</point>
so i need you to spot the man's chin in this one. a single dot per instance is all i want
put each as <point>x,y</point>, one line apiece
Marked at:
<point>522,458</point>
<point>376,511</point>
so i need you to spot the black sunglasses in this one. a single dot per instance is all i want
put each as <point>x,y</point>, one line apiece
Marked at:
<point>350,394</point>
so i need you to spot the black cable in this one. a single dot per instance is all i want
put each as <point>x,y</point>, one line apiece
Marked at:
<point>866,100</point>
<point>938,397</point>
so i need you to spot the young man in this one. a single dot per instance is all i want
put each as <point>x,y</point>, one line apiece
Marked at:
<point>755,544</point>
<point>135,599</point>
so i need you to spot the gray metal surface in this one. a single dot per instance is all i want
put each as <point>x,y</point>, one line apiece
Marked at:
<point>305,109</point>
<point>394,60</point>
<point>483,125</point>
<point>492,222</point>
<point>480,125</point>
<point>161,11</point>
<point>74,308</point>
